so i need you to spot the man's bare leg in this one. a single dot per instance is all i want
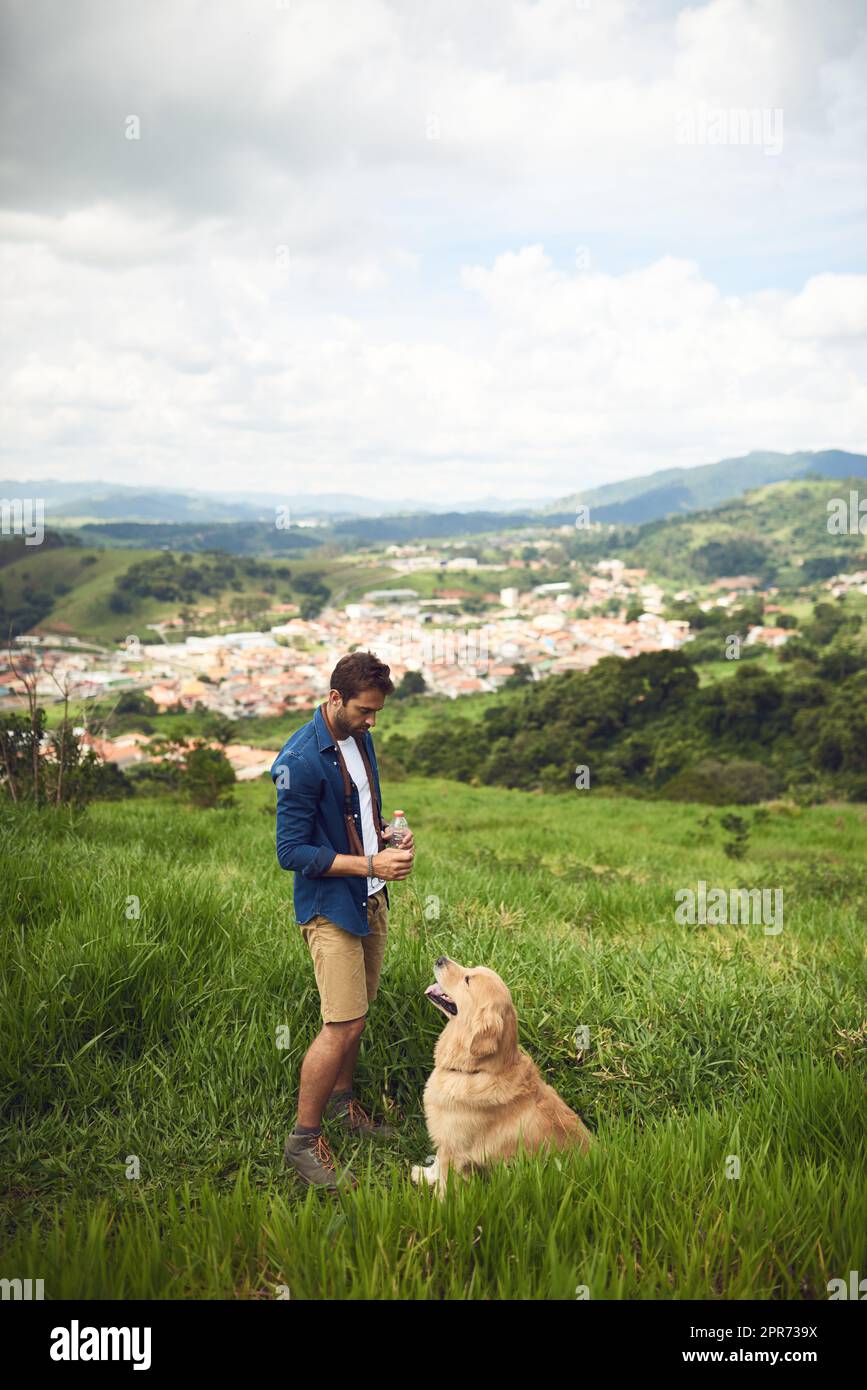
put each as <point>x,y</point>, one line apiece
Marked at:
<point>344,1079</point>
<point>323,1064</point>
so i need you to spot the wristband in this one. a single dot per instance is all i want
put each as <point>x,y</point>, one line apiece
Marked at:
<point>370,872</point>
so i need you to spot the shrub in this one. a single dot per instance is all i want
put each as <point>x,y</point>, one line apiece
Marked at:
<point>719,783</point>
<point>207,776</point>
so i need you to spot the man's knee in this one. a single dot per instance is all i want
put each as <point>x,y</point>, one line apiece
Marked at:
<point>350,1027</point>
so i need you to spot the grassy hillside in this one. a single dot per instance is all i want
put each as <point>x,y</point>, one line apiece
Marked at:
<point>771,532</point>
<point>73,587</point>
<point>156,1037</point>
<point>421,713</point>
<point>77,583</point>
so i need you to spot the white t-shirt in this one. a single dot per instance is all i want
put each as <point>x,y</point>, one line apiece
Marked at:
<point>356,769</point>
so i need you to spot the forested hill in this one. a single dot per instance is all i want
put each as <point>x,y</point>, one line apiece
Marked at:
<point>778,533</point>
<point>646,726</point>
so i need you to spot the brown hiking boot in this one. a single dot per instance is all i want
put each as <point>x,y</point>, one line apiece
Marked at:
<point>353,1117</point>
<point>310,1156</point>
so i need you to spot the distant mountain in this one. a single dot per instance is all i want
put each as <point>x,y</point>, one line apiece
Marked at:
<point>777,532</point>
<point>69,503</point>
<point>143,505</point>
<point>233,537</point>
<point>631,502</point>
<point>404,529</point>
<point>97,501</point>
<point>673,490</point>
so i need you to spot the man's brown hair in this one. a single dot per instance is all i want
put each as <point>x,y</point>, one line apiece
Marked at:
<point>360,671</point>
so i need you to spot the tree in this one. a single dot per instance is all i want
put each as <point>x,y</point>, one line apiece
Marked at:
<point>21,738</point>
<point>413,683</point>
<point>310,607</point>
<point>720,783</point>
<point>49,768</point>
<point>522,674</point>
<point>207,776</point>
<point>740,555</point>
<point>248,607</point>
<point>135,702</point>
<point>212,724</point>
<point>315,593</point>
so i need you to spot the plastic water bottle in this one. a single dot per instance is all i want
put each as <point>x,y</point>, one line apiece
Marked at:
<point>399,829</point>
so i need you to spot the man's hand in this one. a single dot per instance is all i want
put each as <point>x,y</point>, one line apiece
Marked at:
<point>392,863</point>
<point>406,843</point>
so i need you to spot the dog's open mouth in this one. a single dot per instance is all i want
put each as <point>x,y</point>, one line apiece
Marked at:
<point>442,1000</point>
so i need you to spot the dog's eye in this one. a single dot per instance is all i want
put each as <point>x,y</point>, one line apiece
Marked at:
<point>466,979</point>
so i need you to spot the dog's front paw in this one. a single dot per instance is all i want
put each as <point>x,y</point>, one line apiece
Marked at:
<point>425,1173</point>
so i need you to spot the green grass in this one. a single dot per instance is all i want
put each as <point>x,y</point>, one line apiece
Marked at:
<point>156,1037</point>
<point>709,672</point>
<point>419,713</point>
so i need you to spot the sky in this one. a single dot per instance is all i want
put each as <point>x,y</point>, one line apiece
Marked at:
<point>452,250</point>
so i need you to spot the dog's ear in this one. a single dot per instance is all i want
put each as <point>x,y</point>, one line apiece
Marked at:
<point>486,1031</point>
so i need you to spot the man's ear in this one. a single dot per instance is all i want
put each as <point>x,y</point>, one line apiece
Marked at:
<point>486,1032</point>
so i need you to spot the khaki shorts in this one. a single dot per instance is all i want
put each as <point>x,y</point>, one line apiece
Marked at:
<point>347,967</point>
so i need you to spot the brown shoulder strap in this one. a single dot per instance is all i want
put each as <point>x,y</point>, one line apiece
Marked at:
<point>353,835</point>
<point>371,780</point>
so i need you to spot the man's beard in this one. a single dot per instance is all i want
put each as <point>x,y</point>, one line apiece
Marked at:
<point>342,727</point>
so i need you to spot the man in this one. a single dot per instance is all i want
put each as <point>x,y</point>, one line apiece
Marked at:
<point>330,831</point>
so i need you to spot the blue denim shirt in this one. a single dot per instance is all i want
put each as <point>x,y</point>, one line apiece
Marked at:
<point>311,829</point>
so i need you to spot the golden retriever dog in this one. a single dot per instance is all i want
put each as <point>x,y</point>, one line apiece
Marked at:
<point>486,1096</point>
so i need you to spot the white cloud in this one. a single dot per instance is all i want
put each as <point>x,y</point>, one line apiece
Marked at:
<point>829,306</point>
<point>285,277</point>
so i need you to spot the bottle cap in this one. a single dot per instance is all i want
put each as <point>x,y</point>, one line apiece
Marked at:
<point>398,813</point>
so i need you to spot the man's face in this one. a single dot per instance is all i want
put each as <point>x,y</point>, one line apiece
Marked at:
<point>358,714</point>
